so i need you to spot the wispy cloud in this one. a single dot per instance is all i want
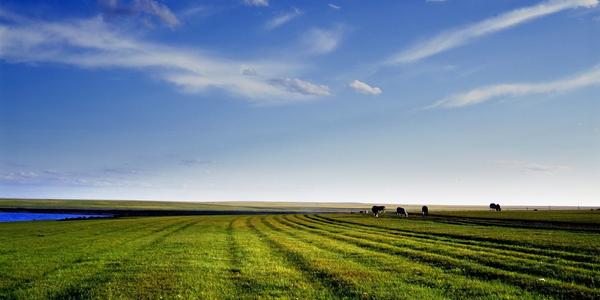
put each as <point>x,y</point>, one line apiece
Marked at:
<point>364,88</point>
<point>532,167</point>
<point>461,36</point>
<point>257,2</point>
<point>303,87</point>
<point>487,93</point>
<point>322,41</point>
<point>336,7</point>
<point>141,7</point>
<point>282,19</point>
<point>106,178</point>
<point>195,162</point>
<point>93,43</point>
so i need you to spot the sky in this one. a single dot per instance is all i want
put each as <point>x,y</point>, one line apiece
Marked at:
<point>420,101</point>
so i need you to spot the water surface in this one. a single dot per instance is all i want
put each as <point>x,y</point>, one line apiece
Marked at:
<point>29,216</point>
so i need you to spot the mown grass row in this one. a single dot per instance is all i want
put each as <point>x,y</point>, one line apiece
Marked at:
<point>447,282</point>
<point>525,281</point>
<point>259,271</point>
<point>342,275</point>
<point>534,265</point>
<point>75,276</point>
<point>279,256</point>
<point>547,256</point>
<point>42,256</point>
<point>578,249</point>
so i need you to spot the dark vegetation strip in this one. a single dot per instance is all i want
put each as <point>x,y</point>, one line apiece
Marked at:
<point>448,282</point>
<point>518,223</point>
<point>243,284</point>
<point>528,253</point>
<point>336,284</point>
<point>547,286</point>
<point>263,272</point>
<point>569,253</point>
<point>506,259</point>
<point>499,261</point>
<point>154,212</point>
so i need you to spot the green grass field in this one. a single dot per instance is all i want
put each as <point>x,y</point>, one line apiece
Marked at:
<point>295,256</point>
<point>241,206</point>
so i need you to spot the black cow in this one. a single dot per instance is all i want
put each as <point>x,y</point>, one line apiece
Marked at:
<point>376,209</point>
<point>401,212</point>
<point>495,207</point>
<point>424,211</point>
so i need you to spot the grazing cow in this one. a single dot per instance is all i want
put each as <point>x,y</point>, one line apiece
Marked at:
<point>424,211</point>
<point>495,207</point>
<point>377,209</point>
<point>401,212</point>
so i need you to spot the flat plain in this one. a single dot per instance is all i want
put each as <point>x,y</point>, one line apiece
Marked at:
<point>306,256</point>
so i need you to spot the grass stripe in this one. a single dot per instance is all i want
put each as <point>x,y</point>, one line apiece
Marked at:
<point>486,257</point>
<point>485,241</point>
<point>90,276</point>
<point>531,283</point>
<point>401,268</point>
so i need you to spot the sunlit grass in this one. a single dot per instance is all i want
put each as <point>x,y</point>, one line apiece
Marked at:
<point>294,256</point>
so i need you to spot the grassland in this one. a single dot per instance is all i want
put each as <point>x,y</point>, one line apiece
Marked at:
<point>250,206</point>
<point>588,216</point>
<point>308,256</point>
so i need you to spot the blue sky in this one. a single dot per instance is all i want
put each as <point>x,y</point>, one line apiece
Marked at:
<point>457,102</point>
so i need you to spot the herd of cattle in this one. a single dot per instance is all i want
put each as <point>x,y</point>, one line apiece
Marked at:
<point>376,210</point>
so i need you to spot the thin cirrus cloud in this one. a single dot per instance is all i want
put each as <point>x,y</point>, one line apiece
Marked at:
<point>257,2</point>
<point>282,19</point>
<point>364,88</point>
<point>461,36</point>
<point>95,178</point>
<point>93,43</point>
<point>141,7</point>
<point>303,87</point>
<point>487,93</point>
<point>531,166</point>
<point>322,41</point>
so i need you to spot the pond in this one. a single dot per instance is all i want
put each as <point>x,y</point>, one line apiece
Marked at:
<point>29,216</point>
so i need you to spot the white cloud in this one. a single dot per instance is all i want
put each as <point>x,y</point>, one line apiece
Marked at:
<point>257,2</point>
<point>532,167</point>
<point>102,178</point>
<point>159,10</point>
<point>282,19</point>
<point>322,41</point>
<point>92,43</point>
<point>487,93</point>
<point>303,87</point>
<point>336,7</point>
<point>143,7</point>
<point>458,37</point>
<point>435,1</point>
<point>364,88</point>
